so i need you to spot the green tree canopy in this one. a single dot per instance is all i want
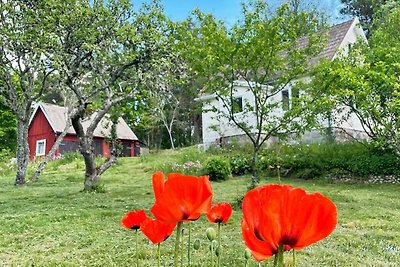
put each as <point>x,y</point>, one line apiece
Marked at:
<point>367,11</point>
<point>367,83</point>
<point>8,129</point>
<point>267,52</point>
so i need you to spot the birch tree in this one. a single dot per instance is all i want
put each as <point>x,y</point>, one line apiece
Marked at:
<point>265,52</point>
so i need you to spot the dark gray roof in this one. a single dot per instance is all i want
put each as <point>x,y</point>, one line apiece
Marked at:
<point>335,36</point>
<point>56,116</point>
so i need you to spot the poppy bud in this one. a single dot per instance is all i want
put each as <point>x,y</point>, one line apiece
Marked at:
<point>247,254</point>
<point>217,250</point>
<point>210,234</point>
<point>214,245</point>
<point>196,244</point>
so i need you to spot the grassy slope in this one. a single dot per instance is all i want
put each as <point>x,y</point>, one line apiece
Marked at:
<point>52,223</point>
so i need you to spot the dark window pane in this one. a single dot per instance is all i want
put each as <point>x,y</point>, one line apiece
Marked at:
<point>237,105</point>
<point>285,100</point>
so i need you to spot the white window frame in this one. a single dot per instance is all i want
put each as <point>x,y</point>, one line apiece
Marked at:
<point>38,142</point>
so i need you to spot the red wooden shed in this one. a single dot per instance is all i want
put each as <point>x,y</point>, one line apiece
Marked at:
<point>48,121</point>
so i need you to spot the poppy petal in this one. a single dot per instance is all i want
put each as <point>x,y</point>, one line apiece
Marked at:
<point>158,183</point>
<point>286,215</point>
<point>156,231</point>
<point>219,213</point>
<point>133,219</point>
<point>321,220</point>
<point>182,197</point>
<point>260,249</point>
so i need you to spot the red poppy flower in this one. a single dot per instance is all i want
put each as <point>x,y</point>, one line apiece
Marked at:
<point>219,213</point>
<point>181,197</point>
<point>276,215</point>
<point>133,219</point>
<point>156,231</point>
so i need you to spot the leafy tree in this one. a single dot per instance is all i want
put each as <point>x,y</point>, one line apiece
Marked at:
<point>367,83</point>
<point>8,130</point>
<point>25,69</point>
<point>107,53</point>
<point>365,10</point>
<point>263,51</point>
<point>175,108</point>
<point>175,100</point>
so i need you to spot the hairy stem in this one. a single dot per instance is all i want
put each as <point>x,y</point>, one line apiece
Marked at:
<point>182,248</point>
<point>294,258</point>
<point>137,247</point>
<point>189,242</point>
<point>212,255</point>
<point>158,255</point>
<point>280,255</point>
<point>177,241</point>
<point>219,245</point>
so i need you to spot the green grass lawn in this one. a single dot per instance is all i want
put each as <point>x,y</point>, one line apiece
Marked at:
<point>52,223</point>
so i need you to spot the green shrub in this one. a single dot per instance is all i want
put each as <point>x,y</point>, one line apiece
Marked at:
<point>240,164</point>
<point>7,165</point>
<point>313,160</point>
<point>217,168</point>
<point>6,155</point>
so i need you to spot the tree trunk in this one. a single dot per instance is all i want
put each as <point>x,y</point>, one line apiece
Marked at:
<point>86,147</point>
<point>171,139</point>
<point>254,169</point>
<point>22,152</point>
<point>49,156</point>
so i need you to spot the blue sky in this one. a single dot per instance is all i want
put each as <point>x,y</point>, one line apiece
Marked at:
<point>229,10</point>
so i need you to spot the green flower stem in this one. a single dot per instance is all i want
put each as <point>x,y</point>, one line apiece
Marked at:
<point>189,242</point>
<point>276,260</point>
<point>182,248</point>
<point>280,255</point>
<point>212,254</point>
<point>219,245</point>
<point>294,258</point>
<point>158,255</point>
<point>177,241</point>
<point>136,252</point>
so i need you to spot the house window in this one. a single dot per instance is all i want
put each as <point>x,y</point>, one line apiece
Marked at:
<point>41,147</point>
<point>285,100</point>
<point>295,92</point>
<point>237,105</point>
<point>350,47</point>
<point>295,96</point>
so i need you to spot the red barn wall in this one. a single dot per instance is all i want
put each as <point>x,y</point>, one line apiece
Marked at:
<point>70,137</point>
<point>40,129</point>
<point>106,149</point>
<point>67,138</point>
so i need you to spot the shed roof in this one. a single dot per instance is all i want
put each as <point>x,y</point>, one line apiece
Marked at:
<point>56,116</point>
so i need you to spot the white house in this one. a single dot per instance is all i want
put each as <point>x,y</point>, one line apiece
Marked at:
<point>216,129</point>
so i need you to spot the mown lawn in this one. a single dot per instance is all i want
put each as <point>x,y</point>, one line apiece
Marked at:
<point>52,223</point>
